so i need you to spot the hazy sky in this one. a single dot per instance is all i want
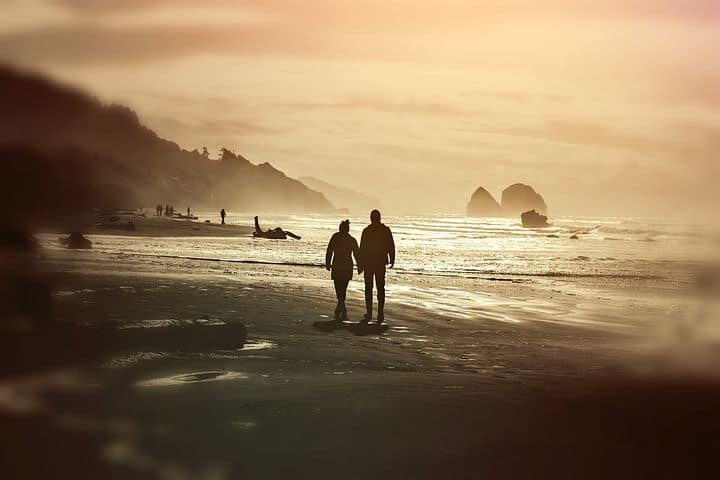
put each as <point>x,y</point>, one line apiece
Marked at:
<point>604,107</point>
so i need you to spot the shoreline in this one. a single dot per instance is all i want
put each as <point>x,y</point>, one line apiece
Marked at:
<point>146,226</point>
<point>499,305</point>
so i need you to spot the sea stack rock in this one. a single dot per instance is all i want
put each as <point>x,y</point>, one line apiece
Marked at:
<point>532,219</point>
<point>482,204</point>
<point>519,198</point>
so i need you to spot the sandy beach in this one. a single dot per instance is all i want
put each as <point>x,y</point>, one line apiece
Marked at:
<point>205,202</point>
<point>146,226</point>
<point>515,392</point>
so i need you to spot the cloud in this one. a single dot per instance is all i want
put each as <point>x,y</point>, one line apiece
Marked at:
<point>115,5</point>
<point>214,128</point>
<point>404,107</point>
<point>429,31</point>
<point>457,108</point>
<point>112,45</point>
<point>428,11</point>
<point>454,157</point>
<point>679,140</point>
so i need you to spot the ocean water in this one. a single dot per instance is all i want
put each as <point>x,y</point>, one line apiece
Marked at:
<point>443,263</point>
<point>608,250</point>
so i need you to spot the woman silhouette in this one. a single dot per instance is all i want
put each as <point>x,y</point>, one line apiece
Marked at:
<point>339,260</point>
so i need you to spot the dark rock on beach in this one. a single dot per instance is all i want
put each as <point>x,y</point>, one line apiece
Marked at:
<point>76,240</point>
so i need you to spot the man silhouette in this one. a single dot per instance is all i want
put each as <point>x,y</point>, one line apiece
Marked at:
<point>377,249</point>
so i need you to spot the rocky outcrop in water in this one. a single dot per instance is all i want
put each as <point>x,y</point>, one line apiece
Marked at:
<point>516,199</point>
<point>519,198</point>
<point>532,219</point>
<point>482,204</point>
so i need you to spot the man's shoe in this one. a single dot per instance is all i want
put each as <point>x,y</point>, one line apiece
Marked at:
<point>366,318</point>
<point>380,318</point>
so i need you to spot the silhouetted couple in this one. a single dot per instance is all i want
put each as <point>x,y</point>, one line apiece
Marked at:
<point>376,251</point>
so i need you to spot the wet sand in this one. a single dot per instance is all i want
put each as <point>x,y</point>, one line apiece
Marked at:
<point>526,387</point>
<point>148,226</point>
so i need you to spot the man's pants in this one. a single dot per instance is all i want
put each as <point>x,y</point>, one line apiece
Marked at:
<point>379,275</point>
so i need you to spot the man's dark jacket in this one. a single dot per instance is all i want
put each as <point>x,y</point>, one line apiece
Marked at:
<point>377,247</point>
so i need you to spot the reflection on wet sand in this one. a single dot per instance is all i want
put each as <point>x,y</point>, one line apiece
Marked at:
<point>196,377</point>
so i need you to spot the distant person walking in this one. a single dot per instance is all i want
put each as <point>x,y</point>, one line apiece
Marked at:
<point>377,249</point>
<point>338,259</point>
<point>222,216</point>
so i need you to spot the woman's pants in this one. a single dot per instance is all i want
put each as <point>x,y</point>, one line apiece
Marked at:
<point>341,292</point>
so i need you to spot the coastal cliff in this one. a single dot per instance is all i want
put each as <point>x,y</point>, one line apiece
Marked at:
<point>110,159</point>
